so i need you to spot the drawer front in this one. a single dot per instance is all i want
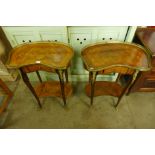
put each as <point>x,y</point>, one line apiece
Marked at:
<point>148,79</point>
<point>148,74</point>
<point>149,82</point>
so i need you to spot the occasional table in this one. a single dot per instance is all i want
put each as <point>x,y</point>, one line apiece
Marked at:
<point>113,57</point>
<point>45,56</point>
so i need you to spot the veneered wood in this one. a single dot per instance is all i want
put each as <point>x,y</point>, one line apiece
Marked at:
<point>117,57</point>
<point>145,82</point>
<point>37,67</point>
<point>51,54</point>
<point>113,57</point>
<point>52,88</point>
<point>112,89</point>
<point>45,56</point>
<point>121,70</point>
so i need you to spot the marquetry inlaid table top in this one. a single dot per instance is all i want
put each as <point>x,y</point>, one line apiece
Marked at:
<point>51,54</point>
<point>102,56</point>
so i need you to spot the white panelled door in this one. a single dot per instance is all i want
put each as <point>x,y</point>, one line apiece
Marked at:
<point>20,35</point>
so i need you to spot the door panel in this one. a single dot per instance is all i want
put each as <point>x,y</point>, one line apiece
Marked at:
<point>107,36</point>
<point>78,41</point>
<point>20,39</point>
<point>112,33</point>
<point>53,37</point>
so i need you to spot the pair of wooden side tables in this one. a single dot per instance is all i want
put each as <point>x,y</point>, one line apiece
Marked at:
<point>100,58</point>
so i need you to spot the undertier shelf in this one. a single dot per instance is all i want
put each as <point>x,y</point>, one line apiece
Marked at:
<point>52,88</point>
<point>104,88</point>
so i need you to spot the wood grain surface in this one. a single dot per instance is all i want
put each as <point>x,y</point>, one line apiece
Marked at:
<point>51,54</point>
<point>110,55</point>
<point>52,88</point>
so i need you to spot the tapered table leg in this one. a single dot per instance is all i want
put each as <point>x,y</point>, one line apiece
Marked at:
<point>66,75</point>
<point>90,76</point>
<point>27,82</point>
<point>92,81</point>
<point>39,77</point>
<point>62,84</point>
<point>118,77</point>
<point>129,85</point>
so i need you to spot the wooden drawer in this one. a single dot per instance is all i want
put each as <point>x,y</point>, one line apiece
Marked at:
<point>149,82</point>
<point>145,82</point>
<point>150,75</point>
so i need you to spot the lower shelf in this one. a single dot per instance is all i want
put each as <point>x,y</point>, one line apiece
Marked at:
<point>104,88</point>
<point>52,88</point>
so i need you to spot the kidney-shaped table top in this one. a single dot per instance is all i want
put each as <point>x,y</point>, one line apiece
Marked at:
<point>102,56</point>
<point>51,54</point>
